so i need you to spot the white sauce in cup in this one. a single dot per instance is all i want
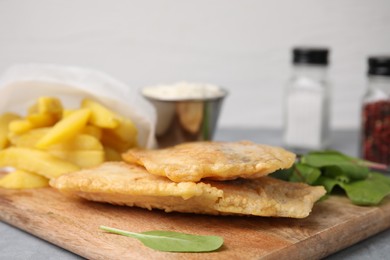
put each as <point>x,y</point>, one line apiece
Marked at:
<point>184,91</point>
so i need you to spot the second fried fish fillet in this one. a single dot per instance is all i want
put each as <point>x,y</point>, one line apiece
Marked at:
<point>213,160</point>
<point>123,184</point>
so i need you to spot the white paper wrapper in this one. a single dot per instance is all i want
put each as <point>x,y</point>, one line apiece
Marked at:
<point>21,85</point>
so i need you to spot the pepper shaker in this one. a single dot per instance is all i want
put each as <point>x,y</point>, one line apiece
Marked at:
<point>375,128</point>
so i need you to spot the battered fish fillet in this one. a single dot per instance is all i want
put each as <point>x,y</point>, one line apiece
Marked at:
<point>123,184</point>
<point>214,160</point>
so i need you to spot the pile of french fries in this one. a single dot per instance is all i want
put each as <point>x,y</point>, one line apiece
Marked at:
<point>51,140</point>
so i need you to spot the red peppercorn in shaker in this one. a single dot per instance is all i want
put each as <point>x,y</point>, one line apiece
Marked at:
<point>375,129</point>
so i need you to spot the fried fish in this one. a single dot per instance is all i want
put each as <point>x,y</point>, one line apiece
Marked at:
<point>213,160</point>
<point>123,184</point>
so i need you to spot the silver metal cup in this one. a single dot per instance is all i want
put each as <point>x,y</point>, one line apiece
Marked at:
<point>186,120</point>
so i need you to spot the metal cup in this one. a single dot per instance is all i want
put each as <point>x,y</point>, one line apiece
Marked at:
<point>186,120</point>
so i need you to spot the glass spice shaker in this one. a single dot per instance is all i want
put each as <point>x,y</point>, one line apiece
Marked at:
<point>375,128</point>
<point>307,101</point>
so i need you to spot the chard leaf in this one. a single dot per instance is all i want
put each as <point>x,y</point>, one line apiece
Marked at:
<point>336,173</point>
<point>366,192</point>
<point>350,167</point>
<point>304,173</point>
<point>369,191</point>
<point>328,183</point>
<point>333,169</point>
<point>170,241</point>
<point>342,178</point>
<point>284,174</point>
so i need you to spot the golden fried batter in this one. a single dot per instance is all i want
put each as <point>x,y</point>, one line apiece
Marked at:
<point>213,160</point>
<point>123,184</point>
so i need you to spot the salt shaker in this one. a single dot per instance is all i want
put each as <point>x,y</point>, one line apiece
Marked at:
<point>375,128</point>
<point>307,101</point>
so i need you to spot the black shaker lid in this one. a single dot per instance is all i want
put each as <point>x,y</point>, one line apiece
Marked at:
<point>310,55</point>
<point>379,65</point>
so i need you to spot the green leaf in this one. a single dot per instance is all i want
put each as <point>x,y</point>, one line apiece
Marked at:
<point>170,241</point>
<point>349,166</point>
<point>305,173</point>
<point>328,183</point>
<point>368,192</point>
<point>336,173</point>
<point>333,169</point>
<point>284,174</point>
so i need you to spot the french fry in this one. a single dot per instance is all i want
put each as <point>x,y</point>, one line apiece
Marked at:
<point>82,150</point>
<point>78,142</point>
<point>47,105</point>
<point>111,154</point>
<point>121,138</point>
<point>111,140</point>
<point>65,128</point>
<point>93,131</point>
<point>20,179</point>
<point>100,115</point>
<point>35,161</point>
<point>50,141</point>
<point>126,131</point>
<point>67,112</point>
<point>28,139</point>
<point>81,158</point>
<point>41,120</point>
<point>5,119</point>
<point>20,126</point>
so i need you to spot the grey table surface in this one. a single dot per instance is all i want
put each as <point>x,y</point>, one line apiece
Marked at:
<point>17,244</point>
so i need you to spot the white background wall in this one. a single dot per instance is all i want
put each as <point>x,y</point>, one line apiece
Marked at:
<point>242,45</point>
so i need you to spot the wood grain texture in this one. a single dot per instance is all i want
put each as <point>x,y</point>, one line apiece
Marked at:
<point>74,225</point>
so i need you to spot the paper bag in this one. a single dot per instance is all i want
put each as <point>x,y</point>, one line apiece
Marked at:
<point>21,85</point>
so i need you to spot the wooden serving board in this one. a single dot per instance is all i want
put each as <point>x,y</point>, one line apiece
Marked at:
<point>74,225</point>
